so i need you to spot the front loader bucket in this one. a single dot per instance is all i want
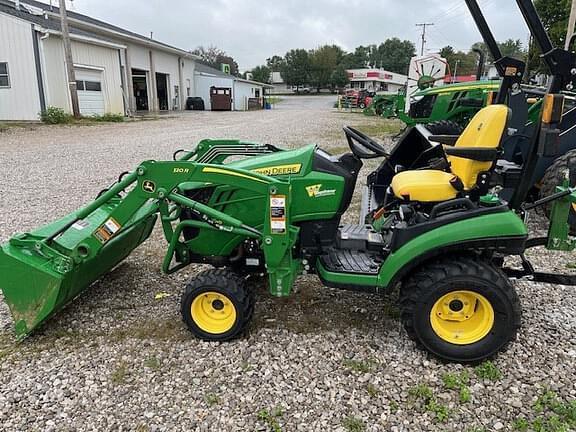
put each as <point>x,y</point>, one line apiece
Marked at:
<point>38,281</point>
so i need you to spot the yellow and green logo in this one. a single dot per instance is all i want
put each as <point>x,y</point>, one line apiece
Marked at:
<point>315,191</point>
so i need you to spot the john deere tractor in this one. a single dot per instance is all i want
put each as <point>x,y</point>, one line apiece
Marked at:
<point>444,109</point>
<point>441,234</point>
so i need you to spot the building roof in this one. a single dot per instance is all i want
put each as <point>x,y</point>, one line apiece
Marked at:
<point>208,70</point>
<point>48,16</point>
<point>204,69</point>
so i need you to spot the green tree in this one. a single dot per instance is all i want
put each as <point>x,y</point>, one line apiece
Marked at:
<point>360,58</point>
<point>215,57</point>
<point>275,63</point>
<point>509,48</point>
<point>460,62</point>
<point>513,48</point>
<point>554,15</point>
<point>296,69</point>
<point>323,62</point>
<point>261,74</point>
<point>339,77</point>
<point>394,55</point>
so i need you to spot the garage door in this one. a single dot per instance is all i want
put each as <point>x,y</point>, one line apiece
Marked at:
<point>90,94</point>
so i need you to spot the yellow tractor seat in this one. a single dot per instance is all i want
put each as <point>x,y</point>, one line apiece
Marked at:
<point>424,186</point>
<point>475,152</point>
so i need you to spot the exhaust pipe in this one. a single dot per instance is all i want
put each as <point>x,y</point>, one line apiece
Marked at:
<point>481,62</point>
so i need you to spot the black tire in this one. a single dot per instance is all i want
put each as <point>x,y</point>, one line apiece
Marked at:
<point>554,176</point>
<point>445,127</point>
<point>232,293</point>
<point>421,293</point>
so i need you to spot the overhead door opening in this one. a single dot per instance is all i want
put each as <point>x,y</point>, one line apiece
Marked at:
<point>162,91</point>
<point>90,92</point>
<point>140,85</point>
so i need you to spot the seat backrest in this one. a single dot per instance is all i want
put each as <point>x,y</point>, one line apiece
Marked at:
<point>485,130</point>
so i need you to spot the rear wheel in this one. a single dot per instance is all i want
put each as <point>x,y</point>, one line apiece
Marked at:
<point>445,127</point>
<point>460,309</point>
<point>554,176</point>
<point>216,305</point>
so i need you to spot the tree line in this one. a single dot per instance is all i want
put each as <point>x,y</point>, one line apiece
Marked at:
<point>325,66</point>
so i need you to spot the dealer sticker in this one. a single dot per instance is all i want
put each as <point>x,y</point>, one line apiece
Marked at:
<point>278,214</point>
<point>107,230</point>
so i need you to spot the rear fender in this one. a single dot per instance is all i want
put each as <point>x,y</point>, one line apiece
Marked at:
<point>502,232</point>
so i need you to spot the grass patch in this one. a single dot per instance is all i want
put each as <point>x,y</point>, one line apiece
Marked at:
<point>107,118</point>
<point>273,100</point>
<point>459,382</point>
<point>488,370</point>
<point>152,363</point>
<point>271,418</point>
<point>363,366</point>
<point>120,374</point>
<point>54,115</point>
<point>381,127</point>
<point>394,407</point>
<point>476,429</point>
<point>421,391</point>
<point>425,396</point>
<point>353,424</point>
<point>212,399</point>
<point>552,415</point>
<point>372,390</point>
<point>142,428</point>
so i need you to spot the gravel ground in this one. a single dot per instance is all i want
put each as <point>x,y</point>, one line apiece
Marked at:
<point>321,360</point>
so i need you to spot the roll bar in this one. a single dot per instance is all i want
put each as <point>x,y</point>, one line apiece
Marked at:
<point>511,70</point>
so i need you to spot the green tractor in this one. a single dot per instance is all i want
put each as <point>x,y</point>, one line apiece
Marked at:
<point>445,109</point>
<point>250,209</point>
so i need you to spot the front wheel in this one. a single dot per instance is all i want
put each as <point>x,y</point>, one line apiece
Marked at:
<point>216,305</point>
<point>460,309</point>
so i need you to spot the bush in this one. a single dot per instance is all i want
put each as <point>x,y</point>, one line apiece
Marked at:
<point>55,115</point>
<point>108,117</point>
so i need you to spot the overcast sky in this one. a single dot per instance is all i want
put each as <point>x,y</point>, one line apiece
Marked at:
<point>253,30</point>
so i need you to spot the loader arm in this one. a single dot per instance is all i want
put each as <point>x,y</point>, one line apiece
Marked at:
<point>44,270</point>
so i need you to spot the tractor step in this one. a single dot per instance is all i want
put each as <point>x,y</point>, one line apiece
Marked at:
<point>351,261</point>
<point>359,237</point>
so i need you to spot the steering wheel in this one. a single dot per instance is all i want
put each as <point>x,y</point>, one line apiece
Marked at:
<point>363,146</point>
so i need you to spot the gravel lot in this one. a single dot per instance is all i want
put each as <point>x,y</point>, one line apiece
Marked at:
<point>321,360</point>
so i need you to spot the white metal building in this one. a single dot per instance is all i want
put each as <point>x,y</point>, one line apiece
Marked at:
<point>117,71</point>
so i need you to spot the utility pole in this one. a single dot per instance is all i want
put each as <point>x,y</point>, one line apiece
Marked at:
<point>68,59</point>
<point>424,25</point>
<point>454,77</point>
<point>571,25</point>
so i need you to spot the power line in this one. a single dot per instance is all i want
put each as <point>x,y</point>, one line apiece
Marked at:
<point>423,25</point>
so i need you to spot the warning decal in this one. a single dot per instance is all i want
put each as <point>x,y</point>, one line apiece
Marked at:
<point>107,231</point>
<point>278,214</point>
<point>80,225</point>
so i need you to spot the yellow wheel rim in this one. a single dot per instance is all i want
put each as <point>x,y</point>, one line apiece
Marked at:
<point>462,317</point>
<point>213,312</point>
